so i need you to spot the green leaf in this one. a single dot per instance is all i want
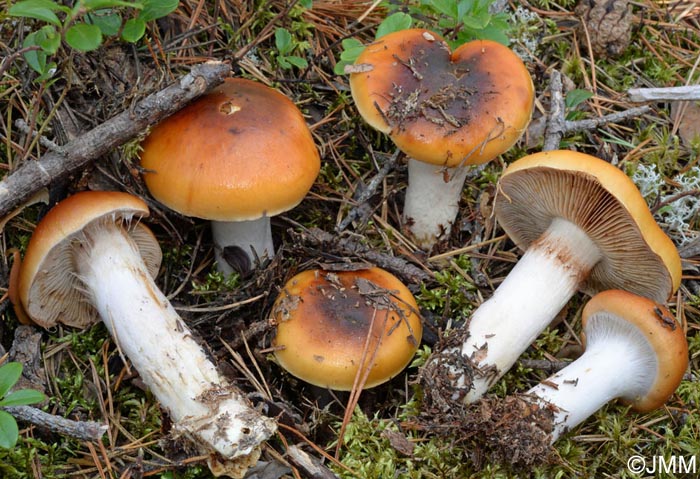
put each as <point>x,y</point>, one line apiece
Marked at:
<point>464,7</point>
<point>133,30</point>
<point>155,9</point>
<point>307,4</point>
<point>283,41</point>
<point>393,23</point>
<point>477,22</point>
<point>283,63</point>
<point>49,71</point>
<point>48,39</point>
<point>102,4</point>
<point>351,54</point>
<point>339,68</point>
<point>351,49</point>
<point>36,59</point>
<point>108,23</point>
<point>297,61</point>
<point>84,37</point>
<point>495,33</point>
<point>37,9</point>
<point>575,97</point>
<point>9,375</point>
<point>446,7</point>
<point>9,433</point>
<point>22,398</point>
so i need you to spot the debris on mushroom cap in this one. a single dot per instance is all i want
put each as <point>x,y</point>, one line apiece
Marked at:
<point>442,107</point>
<point>601,200</point>
<point>49,290</point>
<point>241,152</point>
<point>661,330</point>
<point>326,321</point>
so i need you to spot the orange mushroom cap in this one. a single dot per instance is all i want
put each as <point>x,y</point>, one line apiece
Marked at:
<point>48,288</point>
<point>601,200</point>
<point>441,107</point>
<point>239,153</point>
<point>660,329</point>
<point>323,326</point>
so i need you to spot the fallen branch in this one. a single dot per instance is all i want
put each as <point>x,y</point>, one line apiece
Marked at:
<point>676,93</point>
<point>32,176</point>
<point>558,125</point>
<point>82,430</point>
<point>350,247</point>
<point>362,210</point>
<point>312,467</point>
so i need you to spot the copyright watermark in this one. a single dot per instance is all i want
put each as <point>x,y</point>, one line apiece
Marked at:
<point>661,464</point>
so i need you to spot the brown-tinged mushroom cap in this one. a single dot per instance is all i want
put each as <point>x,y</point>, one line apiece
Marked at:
<point>660,329</point>
<point>49,290</point>
<point>601,200</point>
<point>441,107</point>
<point>241,152</point>
<point>323,320</point>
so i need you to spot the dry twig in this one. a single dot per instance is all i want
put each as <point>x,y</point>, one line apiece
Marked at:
<point>558,125</point>
<point>18,187</point>
<point>83,430</point>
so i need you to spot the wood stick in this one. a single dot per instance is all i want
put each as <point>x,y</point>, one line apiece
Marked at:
<point>557,124</point>
<point>21,185</point>
<point>678,93</point>
<point>351,247</point>
<point>364,193</point>
<point>83,430</point>
<point>312,467</point>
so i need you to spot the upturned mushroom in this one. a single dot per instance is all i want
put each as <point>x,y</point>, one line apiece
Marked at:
<point>90,258</point>
<point>635,352</point>
<point>236,156</point>
<point>445,110</point>
<point>333,327</point>
<point>583,226</point>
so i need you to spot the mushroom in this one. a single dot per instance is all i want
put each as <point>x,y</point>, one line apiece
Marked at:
<point>635,351</point>
<point>236,156</point>
<point>583,226</point>
<point>332,325</point>
<point>90,258</point>
<point>445,110</point>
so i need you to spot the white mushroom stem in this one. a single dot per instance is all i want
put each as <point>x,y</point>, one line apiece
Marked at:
<point>432,201</point>
<point>145,327</point>
<point>618,363</point>
<point>530,297</point>
<point>254,238</point>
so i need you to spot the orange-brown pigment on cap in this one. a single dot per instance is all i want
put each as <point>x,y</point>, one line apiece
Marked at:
<point>238,153</point>
<point>323,319</point>
<point>464,107</point>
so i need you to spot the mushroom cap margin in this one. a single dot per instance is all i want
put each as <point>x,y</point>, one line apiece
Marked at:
<point>47,255</point>
<point>661,330</point>
<point>656,275</point>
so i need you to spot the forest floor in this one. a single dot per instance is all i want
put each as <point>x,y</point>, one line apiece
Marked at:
<point>82,372</point>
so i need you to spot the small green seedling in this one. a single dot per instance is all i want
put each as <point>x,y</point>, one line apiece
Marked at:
<point>83,26</point>
<point>9,375</point>
<point>286,45</point>
<point>460,21</point>
<point>573,99</point>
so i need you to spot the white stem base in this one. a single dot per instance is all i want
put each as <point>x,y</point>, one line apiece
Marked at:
<point>618,362</point>
<point>431,203</point>
<point>146,328</point>
<point>532,294</point>
<point>253,237</point>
